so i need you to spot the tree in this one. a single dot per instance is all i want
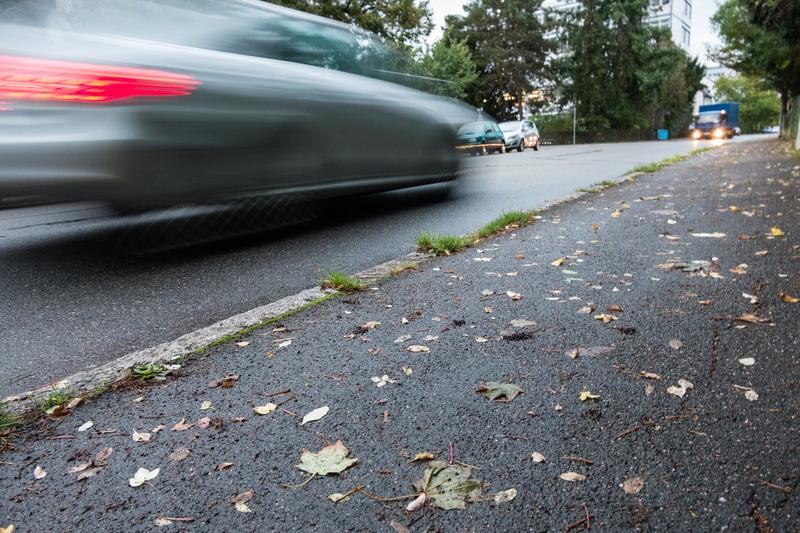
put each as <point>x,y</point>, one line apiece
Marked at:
<point>507,39</point>
<point>451,61</point>
<point>404,23</point>
<point>759,38</point>
<point>759,105</point>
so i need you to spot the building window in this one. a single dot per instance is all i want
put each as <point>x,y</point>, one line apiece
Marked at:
<point>687,9</point>
<point>686,36</point>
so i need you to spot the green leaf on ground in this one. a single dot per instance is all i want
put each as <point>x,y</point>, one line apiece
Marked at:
<point>494,390</point>
<point>331,459</point>
<point>448,487</point>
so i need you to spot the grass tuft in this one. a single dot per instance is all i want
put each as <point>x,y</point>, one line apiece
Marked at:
<point>598,187</point>
<point>7,420</point>
<point>147,372</point>
<point>655,167</point>
<point>512,218</point>
<point>341,282</point>
<point>56,398</point>
<point>443,244</point>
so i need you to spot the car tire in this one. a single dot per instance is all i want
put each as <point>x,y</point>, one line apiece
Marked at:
<point>521,147</point>
<point>536,147</point>
<point>484,150</point>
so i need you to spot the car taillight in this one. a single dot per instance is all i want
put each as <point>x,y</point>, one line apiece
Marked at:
<point>33,79</point>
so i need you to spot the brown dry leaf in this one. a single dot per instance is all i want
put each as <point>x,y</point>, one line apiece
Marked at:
<point>227,382</point>
<point>537,457</point>
<point>761,253</point>
<point>649,375</point>
<point>488,310</point>
<point>423,456</point>
<point>515,296</point>
<point>169,520</point>
<point>398,527</point>
<point>505,496</point>
<point>740,269</point>
<point>572,476</point>
<point>705,302</point>
<point>614,308</point>
<point>586,310</point>
<point>78,468</point>
<point>595,227</point>
<point>676,344</point>
<point>101,459</point>
<point>606,318</point>
<point>90,472</point>
<point>39,472</point>
<point>749,317</point>
<point>649,389</point>
<point>418,348</point>
<point>372,324</point>
<point>616,213</point>
<point>204,422</point>
<point>519,257</point>
<point>179,454</point>
<point>222,466</point>
<point>75,402</point>
<point>787,298</point>
<point>240,501</point>
<point>417,503</point>
<point>558,262</point>
<point>633,485</point>
<point>751,395</point>
<point>182,425</point>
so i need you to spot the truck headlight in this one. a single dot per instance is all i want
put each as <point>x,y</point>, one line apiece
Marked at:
<point>696,134</point>
<point>718,133</point>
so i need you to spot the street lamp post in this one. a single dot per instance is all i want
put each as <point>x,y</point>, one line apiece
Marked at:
<point>574,121</point>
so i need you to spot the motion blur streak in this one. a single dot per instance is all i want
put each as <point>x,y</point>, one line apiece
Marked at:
<point>159,103</point>
<point>27,78</point>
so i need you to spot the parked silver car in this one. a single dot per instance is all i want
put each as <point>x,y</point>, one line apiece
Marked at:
<point>520,134</point>
<point>158,102</point>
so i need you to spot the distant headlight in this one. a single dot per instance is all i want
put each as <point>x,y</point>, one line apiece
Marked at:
<point>718,133</point>
<point>696,134</point>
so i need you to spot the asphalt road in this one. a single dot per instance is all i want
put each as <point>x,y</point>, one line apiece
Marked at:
<point>70,299</point>
<point>691,424</point>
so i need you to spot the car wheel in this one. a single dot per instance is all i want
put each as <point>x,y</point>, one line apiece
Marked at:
<point>502,149</point>
<point>536,146</point>
<point>521,147</point>
<point>484,151</point>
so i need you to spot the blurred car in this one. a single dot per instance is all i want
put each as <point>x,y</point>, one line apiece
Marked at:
<point>520,134</point>
<point>163,102</point>
<point>771,129</point>
<point>481,137</point>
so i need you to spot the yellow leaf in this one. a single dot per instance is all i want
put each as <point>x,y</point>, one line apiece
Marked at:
<point>8,529</point>
<point>789,299</point>
<point>572,476</point>
<point>423,456</point>
<point>616,213</point>
<point>588,395</point>
<point>265,409</point>
<point>558,262</point>
<point>776,232</point>
<point>633,485</point>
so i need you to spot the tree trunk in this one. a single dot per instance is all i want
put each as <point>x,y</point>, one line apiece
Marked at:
<point>784,127</point>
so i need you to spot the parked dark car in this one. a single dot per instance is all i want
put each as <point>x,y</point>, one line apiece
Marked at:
<point>520,134</point>
<point>481,137</point>
<point>158,102</point>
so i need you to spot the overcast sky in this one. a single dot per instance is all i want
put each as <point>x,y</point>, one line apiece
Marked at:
<point>702,10</point>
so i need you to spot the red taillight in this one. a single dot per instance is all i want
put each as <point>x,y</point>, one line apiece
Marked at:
<point>27,78</point>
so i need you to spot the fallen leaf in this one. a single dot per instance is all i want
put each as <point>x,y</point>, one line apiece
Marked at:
<point>417,348</point>
<point>101,459</point>
<point>704,302</point>
<point>90,472</point>
<point>678,391</point>
<point>604,317</point>
<point>417,503</point>
<point>616,213</point>
<point>481,340</point>
<point>787,298</point>
<point>143,475</point>
<point>372,324</point>
<point>685,384</point>
<point>761,253</point>
<point>614,308</point>
<point>283,344</point>
<point>182,425</point>
<point>751,318</point>
<point>337,497</point>
<point>633,485</point>
<point>675,344</point>
<point>401,339</point>
<point>169,520</point>
<point>158,428</point>
<point>649,389</point>
<point>776,232</point>
<point>715,235</point>
<point>407,370</point>
<point>586,310</point>
<point>448,487</point>
<point>537,457</point>
<point>747,361</point>
<point>316,414</point>
<point>242,344</point>
<point>740,269</point>
<point>380,381</point>
<point>78,468</point>
<point>398,527</point>
<point>588,395</point>
<point>73,403</point>
<point>558,262</point>
<point>423,456</point>
<point>572,476</point>
<point>649,375</point>
<point>10,529</point>
<point>522,323</point>
<point>494,390</point>
<point>39,472</point>
<point>751,395</point>
<point>140,437</point>
<point>332,459</point>
<point>86,425</point>
<point>240,501</point>
<point>515,297</point>
<point>179,454</point>
<point>505,496</point>
<point>206,405</point>
<point>265,409</point>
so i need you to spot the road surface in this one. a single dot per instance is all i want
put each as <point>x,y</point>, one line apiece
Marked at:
<point>70,301</point>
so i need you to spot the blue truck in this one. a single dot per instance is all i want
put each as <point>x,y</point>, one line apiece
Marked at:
<point>716,121</point>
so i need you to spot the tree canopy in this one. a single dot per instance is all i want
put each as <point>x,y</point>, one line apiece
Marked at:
<point>759,104</point>
<point>451,61</point>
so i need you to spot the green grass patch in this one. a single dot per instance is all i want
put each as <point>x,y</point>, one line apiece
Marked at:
<point>443,244</point>
<point>599,186</point>
<point>146,372</point>
<point>56,398</point>
<point>341,282</point>
<point>7,420</point>
<point>405,267</point>
<point>655,167</point>
<point>518,218</point>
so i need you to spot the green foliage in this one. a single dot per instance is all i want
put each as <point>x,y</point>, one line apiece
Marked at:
<point>341,282</point>
<point>7,420</point>
<point>758,105</point>
<point>599,186</point>
<point>404,23</point>
<point>443,244</point>
<point>508,43</point>
<point>622,73</point>
<point>452,62</point>
<point>54,399</point>
<point>147,372</point>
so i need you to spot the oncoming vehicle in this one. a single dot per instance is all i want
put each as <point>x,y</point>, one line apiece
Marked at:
<point>520,134</point>
<point>716,121</point>
<point>164,102</point>
<point>481,137</point>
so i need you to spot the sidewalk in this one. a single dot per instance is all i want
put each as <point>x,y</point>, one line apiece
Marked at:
<point>685,340</point>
